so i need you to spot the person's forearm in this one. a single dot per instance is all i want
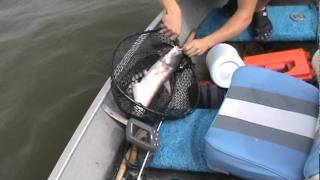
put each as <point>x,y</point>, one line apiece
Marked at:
<point>171,6</point>
<point>237,24</point>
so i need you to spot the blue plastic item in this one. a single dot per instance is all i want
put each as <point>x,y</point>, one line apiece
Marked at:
<point>284,27</point>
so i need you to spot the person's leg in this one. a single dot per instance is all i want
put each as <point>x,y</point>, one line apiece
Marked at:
<point>262,26</point>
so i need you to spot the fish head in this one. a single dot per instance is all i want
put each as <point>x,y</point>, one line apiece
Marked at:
<point>173,57</point>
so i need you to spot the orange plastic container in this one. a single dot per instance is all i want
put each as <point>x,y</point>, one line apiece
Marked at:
<point>293,62</point>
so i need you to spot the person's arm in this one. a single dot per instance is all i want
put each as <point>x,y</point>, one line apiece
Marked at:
<point>172,19</point>
<point>236,24</point>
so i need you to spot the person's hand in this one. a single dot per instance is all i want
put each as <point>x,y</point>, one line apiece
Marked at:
<point>171,24</point>
<point>197,47</point>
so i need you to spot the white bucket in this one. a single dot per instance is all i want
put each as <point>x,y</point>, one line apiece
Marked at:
<point>222,60</point>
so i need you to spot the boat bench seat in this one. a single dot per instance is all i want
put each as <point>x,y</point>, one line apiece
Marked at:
<point>284,27</point>
<point>265,127</point>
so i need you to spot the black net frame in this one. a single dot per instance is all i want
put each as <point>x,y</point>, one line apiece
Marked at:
<point>138,52</point>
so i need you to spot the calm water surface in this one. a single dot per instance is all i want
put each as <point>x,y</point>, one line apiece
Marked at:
<point>54,58</point>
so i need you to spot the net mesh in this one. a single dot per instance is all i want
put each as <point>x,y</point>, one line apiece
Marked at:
<point>132,58</point>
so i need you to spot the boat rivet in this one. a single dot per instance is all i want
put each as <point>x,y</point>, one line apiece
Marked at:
<point>297,16</point>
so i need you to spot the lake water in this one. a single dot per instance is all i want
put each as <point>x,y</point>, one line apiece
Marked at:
<point>55,55</point>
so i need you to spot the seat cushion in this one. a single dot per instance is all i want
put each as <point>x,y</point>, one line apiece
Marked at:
<point>265,126</point>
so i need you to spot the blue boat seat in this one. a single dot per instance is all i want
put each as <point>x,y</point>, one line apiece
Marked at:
<point>284,27</point>
<point>265,127</point>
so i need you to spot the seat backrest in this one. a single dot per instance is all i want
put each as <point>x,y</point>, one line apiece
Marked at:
<point>274,101</point>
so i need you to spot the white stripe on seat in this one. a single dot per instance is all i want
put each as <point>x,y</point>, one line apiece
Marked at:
<point>288,121</point>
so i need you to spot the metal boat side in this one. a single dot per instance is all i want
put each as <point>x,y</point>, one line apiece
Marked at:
<point>96,133</point>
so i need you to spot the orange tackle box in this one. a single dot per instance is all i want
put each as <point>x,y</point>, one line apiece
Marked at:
<point>294,62</point>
